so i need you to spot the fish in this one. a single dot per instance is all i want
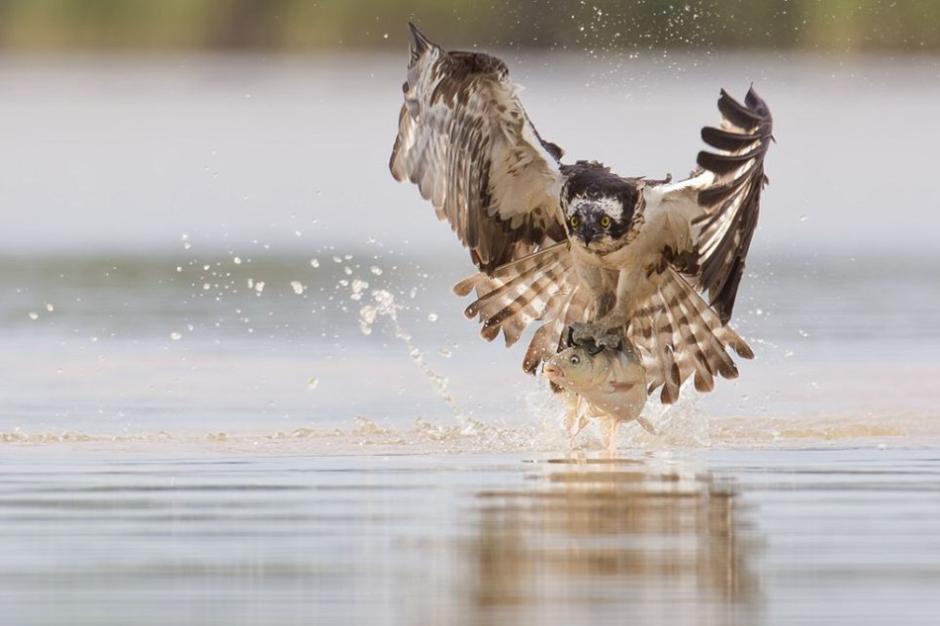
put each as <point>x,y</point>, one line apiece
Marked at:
<point>604,382</point>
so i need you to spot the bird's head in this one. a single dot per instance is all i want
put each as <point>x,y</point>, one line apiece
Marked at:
<point>599,208</point>
<point>600,223</point>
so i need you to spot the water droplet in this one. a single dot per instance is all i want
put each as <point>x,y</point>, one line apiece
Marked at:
<point>259,286</point>
<point>297,286</point>
<point>175,336</point>
<point>50,308</point>
<point>432,317</point>
<point>33,315</point>
<point>358,286</point>
<point>237,260</point>
<point>313,383</point>
<point>375,269</point>
<point>314,262</point>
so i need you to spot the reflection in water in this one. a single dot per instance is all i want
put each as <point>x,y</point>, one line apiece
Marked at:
<point>846,536</point>
<point>624,537</point>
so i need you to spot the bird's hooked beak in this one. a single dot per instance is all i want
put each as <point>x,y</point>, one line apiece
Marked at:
<point>587,235</point>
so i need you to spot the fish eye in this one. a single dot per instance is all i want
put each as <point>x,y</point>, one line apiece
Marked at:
<point>605,222</point>
<point>574,221</point>
<point>575,359</point>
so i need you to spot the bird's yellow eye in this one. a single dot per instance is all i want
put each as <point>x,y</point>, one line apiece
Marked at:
<point>574,221</point>
<point>605,222</point>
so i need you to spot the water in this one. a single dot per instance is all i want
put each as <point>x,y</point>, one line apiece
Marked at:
<point>733,537</point>
<point>195,429</point>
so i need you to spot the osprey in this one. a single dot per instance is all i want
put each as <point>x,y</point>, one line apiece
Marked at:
<point>591,255</point>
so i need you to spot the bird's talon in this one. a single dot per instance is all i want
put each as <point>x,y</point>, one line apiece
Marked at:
<point>610,340</point>
<point>592,337</point>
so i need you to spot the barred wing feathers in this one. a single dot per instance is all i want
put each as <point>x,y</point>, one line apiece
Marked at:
<point>722,201</point>
<point>465,140</point>
<point>679,336</point>
<point>540,287</point>
<point>675,331</point>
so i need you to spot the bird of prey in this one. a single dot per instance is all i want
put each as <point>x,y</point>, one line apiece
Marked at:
<point>592,256</point>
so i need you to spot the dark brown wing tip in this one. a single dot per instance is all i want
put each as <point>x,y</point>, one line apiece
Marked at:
<point>725,140</point>
<point>744,351</point>
<point>465,286</point>
<point>419,42</point>
<point>489,331</point>
<point>756,103</point>
<point>553,149</point>
<point>702,384</point>
<point>724,163</point>
<point>742,115</point>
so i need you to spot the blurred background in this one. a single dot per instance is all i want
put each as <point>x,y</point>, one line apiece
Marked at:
<point>195,204</point>
<point>303,25</point>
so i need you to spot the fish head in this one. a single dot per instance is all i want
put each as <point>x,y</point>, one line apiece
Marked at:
<point>575,368</point>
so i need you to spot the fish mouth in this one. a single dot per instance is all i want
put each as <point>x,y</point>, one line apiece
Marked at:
<point>552,371</point>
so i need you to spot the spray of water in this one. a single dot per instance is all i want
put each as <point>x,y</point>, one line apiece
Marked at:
<point>384,305</point>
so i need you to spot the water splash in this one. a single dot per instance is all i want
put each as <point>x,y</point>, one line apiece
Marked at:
<point>472,436</point>
<point>385,306</point>
<point>683,424</point>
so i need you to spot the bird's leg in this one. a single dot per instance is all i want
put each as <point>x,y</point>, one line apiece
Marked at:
<point>610,428</point>
<point>614,311</point>
<point>575,421</point>
<point>603,333</point>
<point>598,334</point>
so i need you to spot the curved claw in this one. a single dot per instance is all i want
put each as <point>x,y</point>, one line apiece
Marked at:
<point>609,340</point>
<point>592,337</point>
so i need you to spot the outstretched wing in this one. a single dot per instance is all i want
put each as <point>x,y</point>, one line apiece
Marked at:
<point>719,204</point>
<point>465,140</point>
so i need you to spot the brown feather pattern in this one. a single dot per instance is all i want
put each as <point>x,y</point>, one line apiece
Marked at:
<point>731,204</point>
<point>540,286</point>
<point>680,336</point>
<point>466,142</point>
